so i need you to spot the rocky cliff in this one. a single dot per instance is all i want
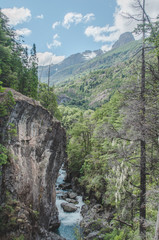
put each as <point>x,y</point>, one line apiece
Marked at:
<point>123,39</point>
<point>27,184</point>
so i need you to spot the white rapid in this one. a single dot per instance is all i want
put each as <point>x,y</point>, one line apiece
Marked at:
<point>70,222</point>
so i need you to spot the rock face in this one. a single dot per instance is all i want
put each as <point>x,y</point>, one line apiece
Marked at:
<point>36,155</point>
<point>124,39</point>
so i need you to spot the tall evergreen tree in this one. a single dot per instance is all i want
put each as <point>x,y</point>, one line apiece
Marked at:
<point>17,69</point>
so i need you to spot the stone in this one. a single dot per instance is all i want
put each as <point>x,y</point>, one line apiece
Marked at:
<point>98,208</point>
<point>54,223</point>
<point>123,39</point>
<point>93,235</point>
<point>69,207</point>
<point>69,200</point>
<point>45,235</point>
<point>72,195</point>
<point>95,220</point>
<point>64,196</point>
<point>84,209</point>
<point>65,186</point>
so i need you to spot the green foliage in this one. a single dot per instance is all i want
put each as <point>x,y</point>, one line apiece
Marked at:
<point>9,102</point>
<point>11,130</point>
<point>152,28</point>
<point>48,99</point>
<point>6,106</point>
<point>3,155</point>
<point>17,70</point>
<point>36,214</point>
<point>94,89</point>
<point>78,234</point>
<point>21,237</point>
<point>103,145</point>
<point>1,88</point>
<point>7,216</point>
<point>70,115</point>
<point>80,143</point>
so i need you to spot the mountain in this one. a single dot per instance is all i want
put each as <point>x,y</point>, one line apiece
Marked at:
<point>98,78</point>
<point>82,63</point>
<point>67,66</point>
<point>123,39</point>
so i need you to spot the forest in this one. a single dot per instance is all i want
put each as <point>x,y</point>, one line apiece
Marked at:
<point>112,146</point>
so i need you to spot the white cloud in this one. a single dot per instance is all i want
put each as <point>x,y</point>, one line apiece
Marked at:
<point>55,42</point>
<point>72,18</point>
<point>100,33</point>
<point>40,16</point>
<point>121,24</point>
<point>76,18</point>
<point>127,7</point>
<point>56,36</point>
<point>106,48</point>
<point>17,15</point>
<point>88,17</point>
<point>23,32</point>
<point>48,58</point>
<point>55,24</point>
<point>90,55</point>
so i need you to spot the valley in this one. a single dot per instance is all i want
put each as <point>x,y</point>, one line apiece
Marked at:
<point>79,140</point>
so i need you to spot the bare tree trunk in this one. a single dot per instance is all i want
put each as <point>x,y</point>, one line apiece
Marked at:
<point>158,63</point>
<point>143,142</point>
<point>157,227</point>
<point>49,79</point>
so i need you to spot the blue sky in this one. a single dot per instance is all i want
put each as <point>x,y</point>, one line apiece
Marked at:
<point>60,28</point>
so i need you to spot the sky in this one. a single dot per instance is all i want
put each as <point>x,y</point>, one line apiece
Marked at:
<point>60,28</point>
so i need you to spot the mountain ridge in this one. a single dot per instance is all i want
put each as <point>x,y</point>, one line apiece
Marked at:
<point>81,63</point>
<point>123,39</point>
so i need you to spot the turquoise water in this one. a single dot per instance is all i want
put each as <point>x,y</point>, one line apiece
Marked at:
<point>70,222</point>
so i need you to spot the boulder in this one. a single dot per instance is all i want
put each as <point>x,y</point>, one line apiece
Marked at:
<point>69,207</point>
<point>64,196</point>
<point>69,200</point>
<point>72,195</point>
<point>65,186</point>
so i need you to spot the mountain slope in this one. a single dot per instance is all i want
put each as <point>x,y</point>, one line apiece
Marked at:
<point>101,78</point>
<point>66,66</point>
<point>124,39</point>
<point>81,63</point>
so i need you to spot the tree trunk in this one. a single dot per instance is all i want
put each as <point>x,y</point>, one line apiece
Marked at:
<point>143,142</point>
<point>158,63</point>
<point>157,227</point>
<point>49,79</point>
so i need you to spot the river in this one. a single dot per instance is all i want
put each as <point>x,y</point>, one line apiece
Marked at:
<point>70,222</point>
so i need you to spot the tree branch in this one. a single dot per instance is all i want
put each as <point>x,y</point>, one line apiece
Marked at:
<point>121,221</point>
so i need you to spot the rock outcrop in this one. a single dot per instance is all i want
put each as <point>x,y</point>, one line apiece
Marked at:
<point>27,184</point>
<point>123,39</point>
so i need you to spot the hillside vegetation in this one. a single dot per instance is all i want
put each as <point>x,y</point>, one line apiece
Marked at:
<point>97,86</point>
<point>112,121</point>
